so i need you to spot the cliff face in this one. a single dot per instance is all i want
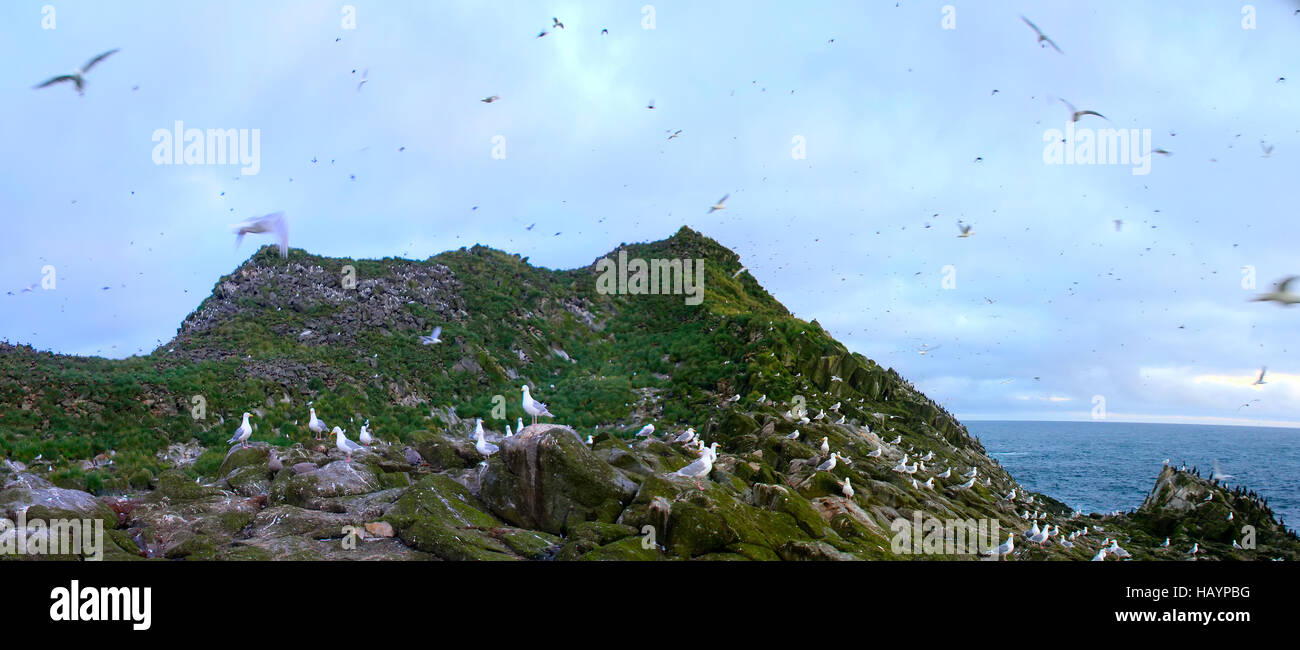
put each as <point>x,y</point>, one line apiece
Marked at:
<point>147,433</point>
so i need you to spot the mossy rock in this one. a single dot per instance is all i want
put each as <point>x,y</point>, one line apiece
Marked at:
<point>178,487</point>
<point>532,544</point>
<point>586,536</point>
<point>694,530</point>
<point>198,545</point>
<point>441,452</point>
<point>254,455</point>
<point>250,480</point>
<point>628,549</point>
<point>545,479</point>
<point>440,516</point>
<point>754,552</point>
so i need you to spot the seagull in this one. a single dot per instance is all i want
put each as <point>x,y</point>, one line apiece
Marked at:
<point>928,484</point>
<point>344,445</point>
<point>241,434</point>
<point>896,440</point>
<point>1006,547</point>
<point>699,468</point>
<point>489,100</point>
<point>846,488</point>
<point>1100,556</point>
<point>1166,544</point>
<point>742,269</point>
<point>651,105</point>
<point>793,436</point>
<point>686,436</point>
<point>1218,475</point>
<point>317,427</point>
<point>1267,148</point>
<point>556,23</point>
<point>1075,113</point>
<point>478,428</point>
<point>675,134</point>
<point>519,425</point>
<point>646,430</point>
<point>1043,40</point>
<point>1280,293</point>
<point>967,485</point>
<point>432,338</point>
<point>273,223</point>
<point>365,437</point>
<point>1196,548</point>
<point>720,204</point>
<point>509,433</point>
<point>828,464</point>
<point>534,407</point>
<point>946,473</point>
<point>1037,536</point>
<point>1119,224</point>
<point>589,440</point>
<point>1117,551</point>
<point>78,77</point>
<point>820,414</point>
<point>484,447</point>
<point>1260,380</point>
<point>875,453</point>
<point>924,350</point>
<point>826,447</point>
<point>966,231</point>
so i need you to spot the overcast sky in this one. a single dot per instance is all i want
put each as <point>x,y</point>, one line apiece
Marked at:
<point>898,118</point>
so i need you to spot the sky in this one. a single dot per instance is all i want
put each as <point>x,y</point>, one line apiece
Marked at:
<point>852,137</point>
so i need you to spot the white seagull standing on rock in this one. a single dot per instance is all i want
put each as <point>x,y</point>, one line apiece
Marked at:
<point>686,436</point>
<point>484,447</point>
<point>316,425</point>
<point>344,445</point>
<point>241,434</point>
<point>793,436</point>
<point>846,488</point>
<point>1006,547</point>
<point>645,431</point>
<point>534,407</point>
<point>828,465</point>
<point>273,223</point>
<point>365,437</point>
<point>698,469</point>
<point>826,447</point>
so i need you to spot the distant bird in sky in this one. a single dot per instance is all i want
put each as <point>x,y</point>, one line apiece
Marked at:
<point>1281,293</point>
<point>433,337</point>
<point>1119,224</point>
<point>1075,113</point>
<point>720,205</point>
<point>273,223</point>
<point>542,33</point>
<point>364,73</point>
<point>1043,39</point>
<point>675,134</point>
<point>651,105</point>
<point>556,24</point>
<point>489,100</point>
<point>78,77</point>
<point>966,231</point>
<point>604,31</point>
<point>1259,381</point>
<point>1267,148</point>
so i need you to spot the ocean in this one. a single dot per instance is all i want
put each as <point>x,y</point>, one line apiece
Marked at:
<point>1105,466</point>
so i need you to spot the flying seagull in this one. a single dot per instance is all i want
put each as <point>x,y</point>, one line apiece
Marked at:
<point>1075,113</point>
<point>965,230</point>
<point>1260,380</point>
<point>489,100</point>
<point>556,23</point>
<point>1043,40</point>
<point>1281,293</point>
<point>78,78</point>
<point>737,273</point>
<point>272,223</point>
<point>432,338</point>
<point>720,205</point>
